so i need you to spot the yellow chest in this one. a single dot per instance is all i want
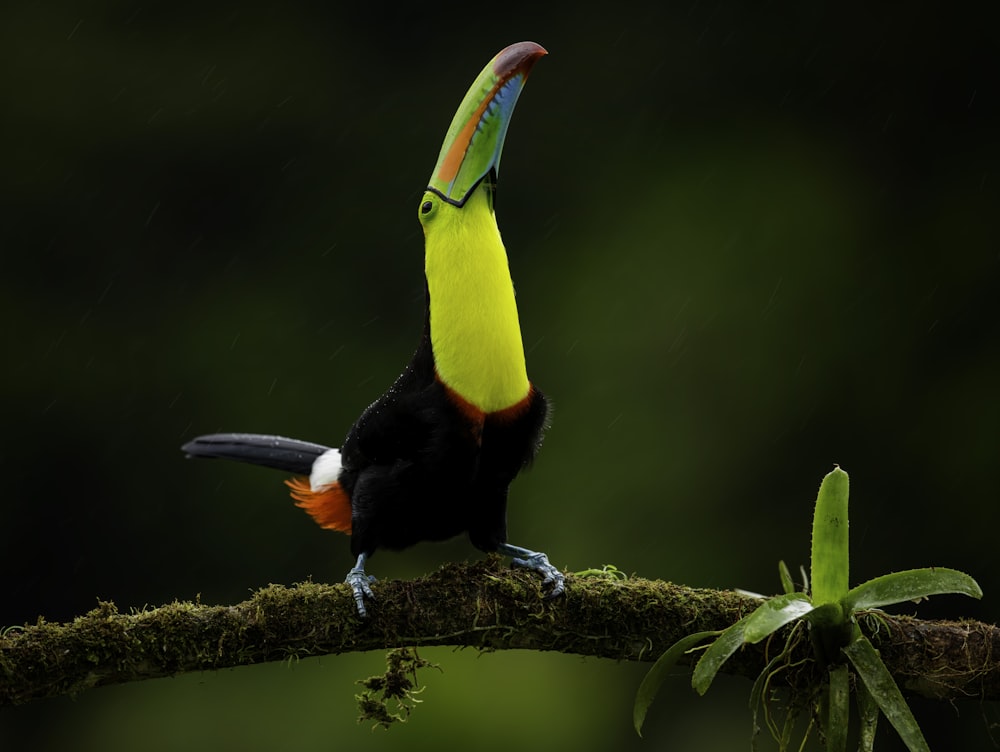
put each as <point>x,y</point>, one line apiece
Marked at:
<point>475,332</point>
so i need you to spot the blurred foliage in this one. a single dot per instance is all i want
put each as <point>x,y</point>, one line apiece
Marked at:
<point>750,240</point>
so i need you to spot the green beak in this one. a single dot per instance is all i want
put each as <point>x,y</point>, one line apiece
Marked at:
<point>472,147</point>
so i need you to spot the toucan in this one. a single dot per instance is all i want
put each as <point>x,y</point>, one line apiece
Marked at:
<point>435,455</point>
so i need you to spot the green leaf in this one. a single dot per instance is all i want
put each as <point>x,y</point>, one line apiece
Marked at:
<point>717,653</point>
<point>910,585</point>
<point>868,710</point>
<point>880,684</point>
<point>831,630</point>
<point>839,709</point>
<point>787,585</point>
<point>658,673</point>
<point>775,613</point>
<point>829,616</point>
<point>830,556</point>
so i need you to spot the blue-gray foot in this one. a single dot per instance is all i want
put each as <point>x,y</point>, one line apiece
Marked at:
<point>523,557</point>
<point>360,583</point>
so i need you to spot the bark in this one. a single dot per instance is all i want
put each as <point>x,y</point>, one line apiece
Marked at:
<point>483,605</point>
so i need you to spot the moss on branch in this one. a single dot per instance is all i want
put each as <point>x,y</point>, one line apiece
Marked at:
<point>483,605</point>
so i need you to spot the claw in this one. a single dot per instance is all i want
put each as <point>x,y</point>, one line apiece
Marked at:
<point>523,557</point>
<point>360,583</point>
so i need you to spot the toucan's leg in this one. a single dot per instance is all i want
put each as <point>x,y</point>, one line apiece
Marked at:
<point>359,582</point>
<point>523,557</point>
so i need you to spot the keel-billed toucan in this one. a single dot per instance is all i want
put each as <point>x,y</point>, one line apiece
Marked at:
<point>434,456</point>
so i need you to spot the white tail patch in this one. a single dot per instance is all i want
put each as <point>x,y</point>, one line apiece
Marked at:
<point>325,470</point>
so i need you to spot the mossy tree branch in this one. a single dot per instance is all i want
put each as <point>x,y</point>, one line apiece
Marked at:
<point>482,605</point>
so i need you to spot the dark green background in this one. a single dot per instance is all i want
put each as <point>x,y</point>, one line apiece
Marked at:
<point>749,241</point>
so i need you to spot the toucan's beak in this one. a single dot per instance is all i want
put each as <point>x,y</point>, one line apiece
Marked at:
<point>472,147</point>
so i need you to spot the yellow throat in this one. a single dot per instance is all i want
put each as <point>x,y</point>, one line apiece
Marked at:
<point>475,333</point>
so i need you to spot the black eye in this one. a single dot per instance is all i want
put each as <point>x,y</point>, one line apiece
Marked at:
<point>426,207</point>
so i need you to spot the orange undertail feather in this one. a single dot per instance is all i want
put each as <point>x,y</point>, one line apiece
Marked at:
<point>329,507</point>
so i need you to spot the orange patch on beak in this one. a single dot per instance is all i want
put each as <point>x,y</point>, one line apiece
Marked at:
<point>329,507</point>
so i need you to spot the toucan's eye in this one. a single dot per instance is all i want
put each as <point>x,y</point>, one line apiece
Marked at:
<point>425,208</point>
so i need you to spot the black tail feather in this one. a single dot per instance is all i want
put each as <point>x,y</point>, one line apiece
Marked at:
<point>290,455</point>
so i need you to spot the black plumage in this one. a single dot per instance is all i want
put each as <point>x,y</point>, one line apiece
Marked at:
<point>420,466</point>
